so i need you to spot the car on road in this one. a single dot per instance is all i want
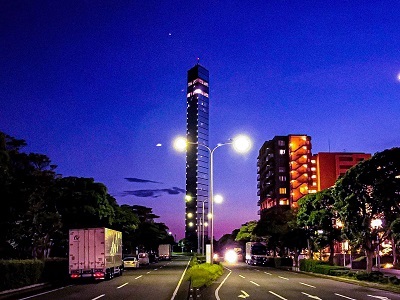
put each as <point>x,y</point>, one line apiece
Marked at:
<point>131,262</point>
<point>143,258</point>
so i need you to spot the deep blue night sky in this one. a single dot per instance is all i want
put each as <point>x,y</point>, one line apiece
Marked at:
<point>95,85</point>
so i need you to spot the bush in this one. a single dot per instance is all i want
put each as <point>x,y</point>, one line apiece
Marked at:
<point>19,273</point>
<point>203,274</point>
<point>55,269</point>
<point>308,265</point>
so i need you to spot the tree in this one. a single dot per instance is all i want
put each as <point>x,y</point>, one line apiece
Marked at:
<point>273,228</point>
<point>82,202</point>
<point>370,190</point>
<point>246,232</point>
<point>28,217</point>
<point>316,212</point>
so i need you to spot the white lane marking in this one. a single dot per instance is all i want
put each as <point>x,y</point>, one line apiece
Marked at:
<point>33,296</point>
<point>245,295</point>
<point>122,285</point>
<point>242,276</point>
<point>307,285</point>
<point>283,278</point>
<point>279,296</point>
<point>311,296</point>
<point>148,272</point>
<point>228,269</point>
<point>255,283</point>
<point>99,297</point>
<point>267,273</point>
<point>155,269</point>
<point>223,281</point>
<point>379,297</point>
<point>257,270</point>
<point>180,281</point>
<point>138,277</point>
<point>344,296</point>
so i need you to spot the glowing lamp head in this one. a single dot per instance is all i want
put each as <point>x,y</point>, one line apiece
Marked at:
<point>241,144</point>
<point>180,144</point>
<point>218,199</point>
<point>376,223</point>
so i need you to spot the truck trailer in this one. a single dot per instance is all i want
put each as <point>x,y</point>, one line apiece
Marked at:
<point>164,252</point>
<point>256,253</point>
<point>95,253</point>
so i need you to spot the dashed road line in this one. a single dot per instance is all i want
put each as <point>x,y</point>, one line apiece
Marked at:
<point>99,297</point>
<point>307,285</point>
<point>311,296</point>
<point>138,277</point>
<point>344,296</point>
<point>279,296</point>
<point>267,273</point>
<point>122,285</point>
<point>242,276</point>
<point>283,278</point>
<point>255,283</point>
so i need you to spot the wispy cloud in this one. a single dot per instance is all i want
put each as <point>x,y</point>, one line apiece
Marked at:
<point>154,193</point>
<point>134,179</point>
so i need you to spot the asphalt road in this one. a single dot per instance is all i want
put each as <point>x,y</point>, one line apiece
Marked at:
<point>160,281</point>
<point>252,282</point>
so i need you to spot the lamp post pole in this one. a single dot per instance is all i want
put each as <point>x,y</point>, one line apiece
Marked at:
<point>241,144</point>
<point>202,226</point>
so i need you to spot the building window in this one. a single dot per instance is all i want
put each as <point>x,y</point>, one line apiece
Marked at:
<point>345,158</point>
<point>282,191</point>
<point>282,151</point>
<point>282,169</point>
<point>281,143</point>
<point>282,178</point>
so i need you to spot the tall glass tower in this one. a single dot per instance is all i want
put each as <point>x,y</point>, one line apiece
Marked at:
<point>197,158</point>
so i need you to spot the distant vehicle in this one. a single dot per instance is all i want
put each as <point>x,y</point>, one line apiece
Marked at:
<point>256,253</point>
<point>153,258</point>
<point>95,253</point>
<point>131,262</point>
<point>143,258</point>
<point>164,251</point>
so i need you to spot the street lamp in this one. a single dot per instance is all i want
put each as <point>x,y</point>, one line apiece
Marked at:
<point>241,144</point>
<point>376,224</point>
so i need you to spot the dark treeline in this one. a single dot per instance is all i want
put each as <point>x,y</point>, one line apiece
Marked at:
<point>39,207</point>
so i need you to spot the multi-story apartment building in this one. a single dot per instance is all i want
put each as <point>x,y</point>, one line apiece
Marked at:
<point>197,157</point>
<point>284,171</point>
<point>327,167</point>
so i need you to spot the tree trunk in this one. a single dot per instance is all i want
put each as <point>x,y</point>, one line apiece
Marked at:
<point>394,251</point>
<point>370,260</point>
<point>331,252</point>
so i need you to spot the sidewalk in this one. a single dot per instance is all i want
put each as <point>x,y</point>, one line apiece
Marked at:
<point>388,272</point>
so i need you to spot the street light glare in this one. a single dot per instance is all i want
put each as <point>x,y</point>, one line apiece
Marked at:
<point>376,223</point>
<point>218,199</point>
<point>241,143</point>
<point>180,144</point>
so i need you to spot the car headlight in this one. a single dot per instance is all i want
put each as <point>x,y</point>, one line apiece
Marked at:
<point>231,256</point>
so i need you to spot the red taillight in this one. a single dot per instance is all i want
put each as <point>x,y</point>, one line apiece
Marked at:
<point>74,275</point>
<point>98,275</point>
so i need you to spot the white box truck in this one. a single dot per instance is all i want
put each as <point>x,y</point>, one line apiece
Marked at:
<point>256,253</point>
<point>164,252</point>
<point>95,253</point>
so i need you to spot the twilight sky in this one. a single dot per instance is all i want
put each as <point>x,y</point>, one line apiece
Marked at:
<point>96,85</point>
